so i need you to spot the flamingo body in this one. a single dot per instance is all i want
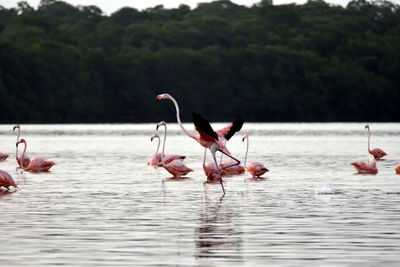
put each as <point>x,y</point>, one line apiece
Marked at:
<point>231,170</point>
<point>377,153</point>
<point>397,169</point>
<point>6,180</point>
<point>39,164</point>
<point>256,169</point>
<point>177,168</point>
<point>366,167</point>
<point>3,156</point>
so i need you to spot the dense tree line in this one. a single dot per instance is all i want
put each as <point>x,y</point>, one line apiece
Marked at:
<point>310,62</point>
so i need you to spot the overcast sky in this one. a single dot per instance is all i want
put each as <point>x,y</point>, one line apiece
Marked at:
<point>110,6</point>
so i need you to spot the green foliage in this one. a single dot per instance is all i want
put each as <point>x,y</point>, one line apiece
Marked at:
<point>311,62</point>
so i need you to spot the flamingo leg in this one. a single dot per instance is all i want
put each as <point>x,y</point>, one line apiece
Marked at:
<point>235,159</point>
<point>219,172</point>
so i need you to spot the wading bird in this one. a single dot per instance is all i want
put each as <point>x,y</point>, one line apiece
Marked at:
<point>3,156</point>
<point>155,160</point>
<point>376,152</point>
<point>6,180</point>
<point>25,159</point>
<point>397,169</point>
<point>256,169</point>
<point>207,137</point>
<point>37,164</point>
<point>175,167</point>
<point>366,167</point>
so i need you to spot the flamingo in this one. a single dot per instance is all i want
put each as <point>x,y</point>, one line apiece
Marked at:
<point>366,167</point>
<point>3,156</point>
<point>376,152</point>
<point>214,141</point>
<point>175,167</point>
<point>25,159</point>
<point>397,169</point>
<point>256,169</point>
<point>6,180</point>
<point>37,164</point>
<point>155,160</point>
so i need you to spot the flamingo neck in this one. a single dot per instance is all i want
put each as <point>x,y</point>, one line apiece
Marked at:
<point>369,134</point>
<point>162,153</point>
<point>21,162</point>
<point>247,150</point>
<point>16,149</point>
<point>158,147</point>
<point>178,118</point>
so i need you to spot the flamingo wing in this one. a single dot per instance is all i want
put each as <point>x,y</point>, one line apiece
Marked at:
<point>204,128</point>
<point>169,158</point>
<point>398,169</point>
<point>177,168</point>
<point>378,153</point>
<point>40,164</point>
<point>3,156</point>
<point>232,128</point>
<point>256,168</point>
<point>6,180</point>
<point>365,166</point>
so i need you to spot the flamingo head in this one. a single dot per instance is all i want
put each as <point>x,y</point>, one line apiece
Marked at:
<point>244,137</point>
<point>161,123</point>
<point>163,96</point>
<point>20,141</point>
<point>16,127</point>
<point>367,126</point>
<point>155,136</point>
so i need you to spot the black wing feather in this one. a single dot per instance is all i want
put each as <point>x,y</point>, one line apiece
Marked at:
<point>236,126</point>
<point>202,124</point>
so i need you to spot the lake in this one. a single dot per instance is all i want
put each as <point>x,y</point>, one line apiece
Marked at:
<point>101,205</point>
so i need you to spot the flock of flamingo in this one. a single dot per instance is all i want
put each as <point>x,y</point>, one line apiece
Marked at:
<point>37,164</point>
<point>207,137</point>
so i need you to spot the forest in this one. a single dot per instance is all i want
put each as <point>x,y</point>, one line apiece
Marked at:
<point>314,62</point>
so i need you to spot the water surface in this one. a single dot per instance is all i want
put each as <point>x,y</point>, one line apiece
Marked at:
<point>101,205</point>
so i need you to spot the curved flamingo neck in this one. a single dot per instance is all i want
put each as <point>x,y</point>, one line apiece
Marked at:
<point>162,153</point>
<point>369,135</point>
<point>16,149</point>
<point>247,150</point>
<point>158,147</point>
<point>21,162</point>
<point>178,118</point>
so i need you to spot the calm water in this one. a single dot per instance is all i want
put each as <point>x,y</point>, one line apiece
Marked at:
<point>101,205</point>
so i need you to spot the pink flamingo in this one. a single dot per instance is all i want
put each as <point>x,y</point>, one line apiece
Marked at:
<point>6,180</point>
<point>3,156</point>
<point>398,169</point>
<point>175,167</point>
<point>376,152</point>
<point>366,167</point>
<point>37,164</point>
<point>25,159</point>
<point>214,141</point>
<point>256,169</point>
<point>155,160</point>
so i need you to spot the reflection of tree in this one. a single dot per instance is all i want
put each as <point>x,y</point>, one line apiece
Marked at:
<point>217,235</point>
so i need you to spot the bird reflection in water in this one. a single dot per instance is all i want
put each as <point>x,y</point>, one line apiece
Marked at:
<point>218,235</point>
